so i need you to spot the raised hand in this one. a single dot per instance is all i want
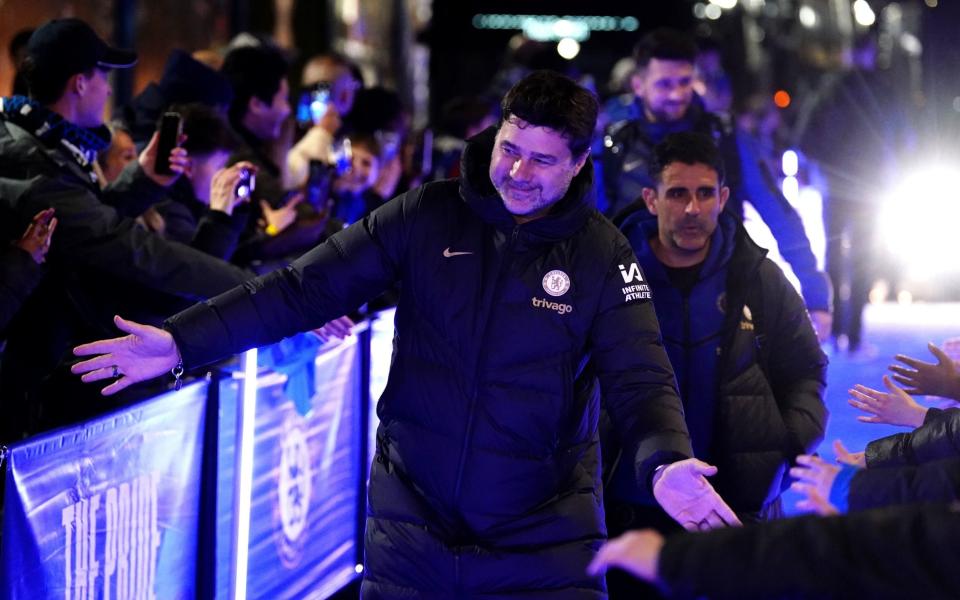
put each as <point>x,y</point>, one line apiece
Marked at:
<point>684,492</point>
<point>894,408</point>
<point>223,187</point>
<point>815,478</point>
<point>276,220</point>
<point>179,161</point>
<point>931,379</point>
<point>36,239</point>
<point>844,456</point>
<point>637,552</point>
<point>143,354</point>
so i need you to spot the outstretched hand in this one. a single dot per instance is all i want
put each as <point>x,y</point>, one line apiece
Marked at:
<point>684,492</point>
<point>929,379</point>
<point>894,408</point>
<point>637,552</point>
<point>815,478</point>
<point>143,354</point>
<point>844,456</point>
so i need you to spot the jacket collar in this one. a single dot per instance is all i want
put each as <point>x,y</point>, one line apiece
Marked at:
<point>565,218</point>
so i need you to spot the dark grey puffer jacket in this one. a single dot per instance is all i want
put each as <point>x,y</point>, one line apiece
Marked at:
<point>486,479</point>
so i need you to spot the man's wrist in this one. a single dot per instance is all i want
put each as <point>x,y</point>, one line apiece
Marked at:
<point>657,474</point>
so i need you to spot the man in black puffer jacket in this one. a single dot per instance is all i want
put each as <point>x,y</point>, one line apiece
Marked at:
<point>486,478</point>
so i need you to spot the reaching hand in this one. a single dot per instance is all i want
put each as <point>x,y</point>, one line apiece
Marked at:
<point>179,161</point>
<point>36,239</point>
<point>894,408</point>
<point>815,478</point>
<point>143,354</point>
<point>822,324</point>
<point>223,187</point>
<point>844,456</point>
<point>637,552</point>
<point>684,492</point>
<point>940,379</point>
<point>337,328</point>
<point>276,220</point>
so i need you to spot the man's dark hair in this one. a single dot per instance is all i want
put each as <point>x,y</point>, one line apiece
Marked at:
<point>463,112</point>
<point>664,44</point>
<point>689,148</point>
<point>46,86</point>
<point>254,72</point>
<point>549,99</point>
<point>206,129</point>
<point>18,44</point>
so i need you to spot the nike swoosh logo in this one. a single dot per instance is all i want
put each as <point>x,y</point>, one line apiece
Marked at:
<point>448,254</point>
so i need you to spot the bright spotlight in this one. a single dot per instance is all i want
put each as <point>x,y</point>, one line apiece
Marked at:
<point>918,221</point>
<point>724,4</point>
<point>568,48</point>
<point>713,12</point>
<point>863,13</point>
<point>807,16</point>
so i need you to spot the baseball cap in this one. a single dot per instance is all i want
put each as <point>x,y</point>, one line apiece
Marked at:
<point>70,46</point>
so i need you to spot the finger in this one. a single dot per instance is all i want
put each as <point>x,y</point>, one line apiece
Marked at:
<point>703,468</point>
<point>265,207</point>
<point>913,362</point>
<point>906,381</point>
<point>132,326</point>
<point>903,370</point>
<point>867,399</point>
<point>870,420</point>
<point>942,357</point>
<point>862,406</point>
<point>295,199</point>
<point>98,362</point>
<point>99,347</point>
<point>51,228</point>
<point>691,525</point>
<point>840,449</point>
<point>98,374</point>
<point>604,558</point>
<point>890,385</point>
<point>116,386</point>
<point>809,460</point>
<point>868,391</point>
<point>713,521</point>
<point>724,512</point>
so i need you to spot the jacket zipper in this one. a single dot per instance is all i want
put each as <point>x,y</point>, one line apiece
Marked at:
<point>471,413</point>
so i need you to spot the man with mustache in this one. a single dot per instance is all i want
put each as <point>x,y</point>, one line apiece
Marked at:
<point>750,370</point>
<point>664,102</point>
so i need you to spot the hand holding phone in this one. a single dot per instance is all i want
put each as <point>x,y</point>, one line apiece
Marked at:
<point>171,128</point>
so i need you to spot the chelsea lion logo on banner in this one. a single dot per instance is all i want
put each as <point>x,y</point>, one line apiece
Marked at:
<point>556,283</point>
<point>293,489</point>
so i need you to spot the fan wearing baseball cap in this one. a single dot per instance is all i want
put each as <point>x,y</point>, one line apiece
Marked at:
<point>101,261</point>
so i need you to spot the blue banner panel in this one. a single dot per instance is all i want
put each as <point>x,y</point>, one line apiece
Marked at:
<point>109,508</point>
<point>303,520</point>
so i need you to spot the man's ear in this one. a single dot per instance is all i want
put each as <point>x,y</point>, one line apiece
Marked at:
<point>580,162</point>
<point>78,84</point>
<point>724,195</point>
<point>255,105</point>
<point>650,199</point>
<point>636,83</point>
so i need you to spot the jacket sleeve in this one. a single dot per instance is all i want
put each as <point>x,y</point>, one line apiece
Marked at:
<point>91,235</point>
<point>19,275</point>
<point>759,188</point>
<point>797,367</point>
<point>937,481</point>
<point>900,552</point>
<point>133,192</point>
<point>333,279</point>
<point>217,234</point>
<point>938,437</point>
<point>636,379</point>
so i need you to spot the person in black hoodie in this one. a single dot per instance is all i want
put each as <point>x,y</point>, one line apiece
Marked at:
<point>514,315</point>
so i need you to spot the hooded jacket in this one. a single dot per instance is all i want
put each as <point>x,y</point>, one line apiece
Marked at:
<point>486,477</point>
<point>750,370</point>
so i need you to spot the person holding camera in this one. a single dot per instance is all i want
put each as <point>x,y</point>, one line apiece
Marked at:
<point>208,208</point>
<point>48,144</point>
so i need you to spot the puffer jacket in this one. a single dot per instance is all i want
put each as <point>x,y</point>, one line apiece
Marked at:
<point>486,478</point>
<point>749,367</point>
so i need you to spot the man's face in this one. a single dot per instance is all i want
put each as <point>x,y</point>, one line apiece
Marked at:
<point>202,170</point>
<point>666,88</point>
<point>531,167</point>
<point>92,101</point>
<point>687,203</point>
<point>266,120</point>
